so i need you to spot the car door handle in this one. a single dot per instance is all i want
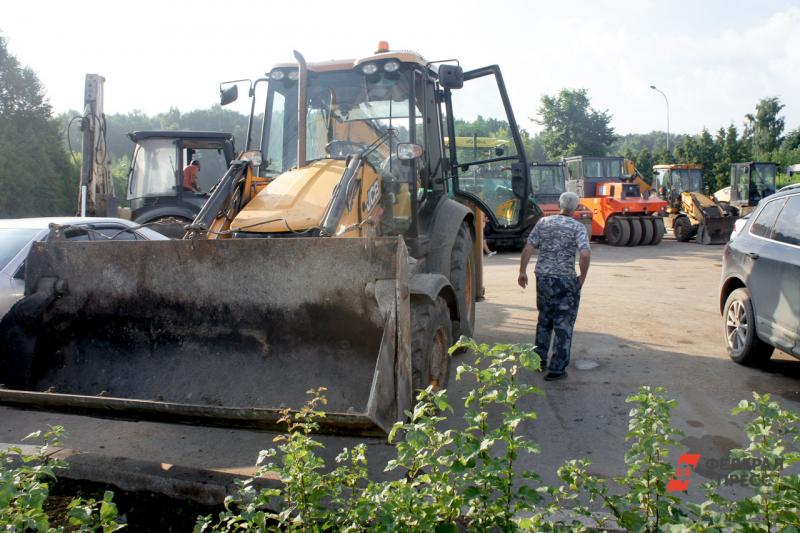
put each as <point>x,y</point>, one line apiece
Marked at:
<point>753,255</point>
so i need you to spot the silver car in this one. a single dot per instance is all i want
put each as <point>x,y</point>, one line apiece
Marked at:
<point>17,235</point>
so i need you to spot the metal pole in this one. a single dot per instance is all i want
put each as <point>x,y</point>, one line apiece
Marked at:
<point>667,101</point>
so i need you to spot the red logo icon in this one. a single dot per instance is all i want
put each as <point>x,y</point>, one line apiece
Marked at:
<point>680,481</point>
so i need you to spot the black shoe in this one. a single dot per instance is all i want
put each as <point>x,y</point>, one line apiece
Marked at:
<point>554,377</point>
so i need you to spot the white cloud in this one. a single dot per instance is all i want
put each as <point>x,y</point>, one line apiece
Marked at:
<point>714,59</point>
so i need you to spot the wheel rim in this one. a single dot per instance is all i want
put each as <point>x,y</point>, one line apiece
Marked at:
<point>736,326</point>
<point>439,357</point>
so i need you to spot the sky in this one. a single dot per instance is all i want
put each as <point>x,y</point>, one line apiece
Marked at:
<point>714,59</point>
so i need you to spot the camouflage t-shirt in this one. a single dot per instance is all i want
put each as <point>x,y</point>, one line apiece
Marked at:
<point>558,238</point>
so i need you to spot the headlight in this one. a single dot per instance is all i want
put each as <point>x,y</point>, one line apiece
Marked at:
<point>277,75</point>
<point>369,68</point>
<point>293,75</point>
<point>391,66</point>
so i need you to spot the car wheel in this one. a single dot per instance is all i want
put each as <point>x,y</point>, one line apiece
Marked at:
<point>741,339</point>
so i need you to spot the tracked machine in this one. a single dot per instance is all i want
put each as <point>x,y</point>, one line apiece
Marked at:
<point>619,213</point>
<point>690,213</point>
<point>340,249</point>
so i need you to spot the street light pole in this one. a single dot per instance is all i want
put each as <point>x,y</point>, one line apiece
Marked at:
<point>667,101</point>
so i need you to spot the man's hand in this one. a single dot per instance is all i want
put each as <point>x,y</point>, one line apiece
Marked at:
<point>581,279</point>
<point>522,279</point>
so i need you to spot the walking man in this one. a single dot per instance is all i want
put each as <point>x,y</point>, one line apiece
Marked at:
<point>558,289</point>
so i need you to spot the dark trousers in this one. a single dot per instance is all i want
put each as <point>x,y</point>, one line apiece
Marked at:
<point>557,300</point>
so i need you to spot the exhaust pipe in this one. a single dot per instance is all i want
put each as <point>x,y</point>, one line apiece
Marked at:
<point>302,107</point>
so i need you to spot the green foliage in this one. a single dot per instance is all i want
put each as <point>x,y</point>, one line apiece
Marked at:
<point>764,128</point>
<point>36,176</point>
<point>468,478</point>
<point>25,486</point>
<point>487,449</point>
<point>775,502</point>
<point>572,126</point>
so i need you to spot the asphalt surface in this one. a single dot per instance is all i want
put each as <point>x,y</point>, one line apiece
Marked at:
<point>648,316</point>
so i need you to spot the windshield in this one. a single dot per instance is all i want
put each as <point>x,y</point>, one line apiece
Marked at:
<point>687,180</point>
<point>762,181</point>
<point>347,111</point>
<point>602,168</point>
<point>547,181</point>
<point>12,240</point>
<point>154,169</point>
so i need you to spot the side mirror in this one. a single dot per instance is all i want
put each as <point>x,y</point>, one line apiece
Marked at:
<point>451,76</point>
<point>499,151</point>
<point>226,96</point>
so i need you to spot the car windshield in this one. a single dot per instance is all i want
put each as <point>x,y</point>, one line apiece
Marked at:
<point>12,240</point>
<point>347,111</point>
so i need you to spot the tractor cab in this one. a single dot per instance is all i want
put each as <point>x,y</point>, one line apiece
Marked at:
<point>548,181</point>
<point>156,188</point>
<point>587,174</point>
<point>750,183</point>
<point>672,180</point>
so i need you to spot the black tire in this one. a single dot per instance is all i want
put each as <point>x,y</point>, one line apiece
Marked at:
<point>463,279</point>
<point>682,229</point>
<point>171,227</point>
<point>618,231</point>
<point>647,230</point>
<point>739,329</point>
<point>658,231</point>
<point>431,338</point>
<point>636,231</point>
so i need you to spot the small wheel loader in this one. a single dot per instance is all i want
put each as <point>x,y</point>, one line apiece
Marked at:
<point>691,214</point>
<point>340,249</point>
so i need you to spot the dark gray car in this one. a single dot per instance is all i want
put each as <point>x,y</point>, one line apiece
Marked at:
<point>760,291</point>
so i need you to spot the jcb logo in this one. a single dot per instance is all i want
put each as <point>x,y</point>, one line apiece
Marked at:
<point>687,462</point>
<point>373,195</point>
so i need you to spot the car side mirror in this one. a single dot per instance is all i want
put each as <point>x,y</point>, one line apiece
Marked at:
<point>499,151</point>
<point>451,76</point>
<point>226,96</point>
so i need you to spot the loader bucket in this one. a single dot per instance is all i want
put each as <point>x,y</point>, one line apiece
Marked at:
<point>715,230</point>
<point>225,332</point>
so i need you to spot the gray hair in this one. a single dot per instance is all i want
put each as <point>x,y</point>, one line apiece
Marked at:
<point>568,201</point>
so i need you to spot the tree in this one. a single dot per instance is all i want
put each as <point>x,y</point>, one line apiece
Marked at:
<point>729,149</point>
<point>572,126</point>
<point>764,128</point>
<point>36,176</point>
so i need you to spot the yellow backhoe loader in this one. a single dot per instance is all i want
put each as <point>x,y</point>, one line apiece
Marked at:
<point>339,250</point>
<point>692,214</point>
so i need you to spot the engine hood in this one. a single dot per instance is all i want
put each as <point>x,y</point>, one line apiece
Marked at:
<point>294,201</point>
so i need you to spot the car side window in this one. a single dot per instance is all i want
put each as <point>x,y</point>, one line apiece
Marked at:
<point>787,227</point>
<point>762,225</point>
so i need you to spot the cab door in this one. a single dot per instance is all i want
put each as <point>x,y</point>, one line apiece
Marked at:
<point>488,165</point>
